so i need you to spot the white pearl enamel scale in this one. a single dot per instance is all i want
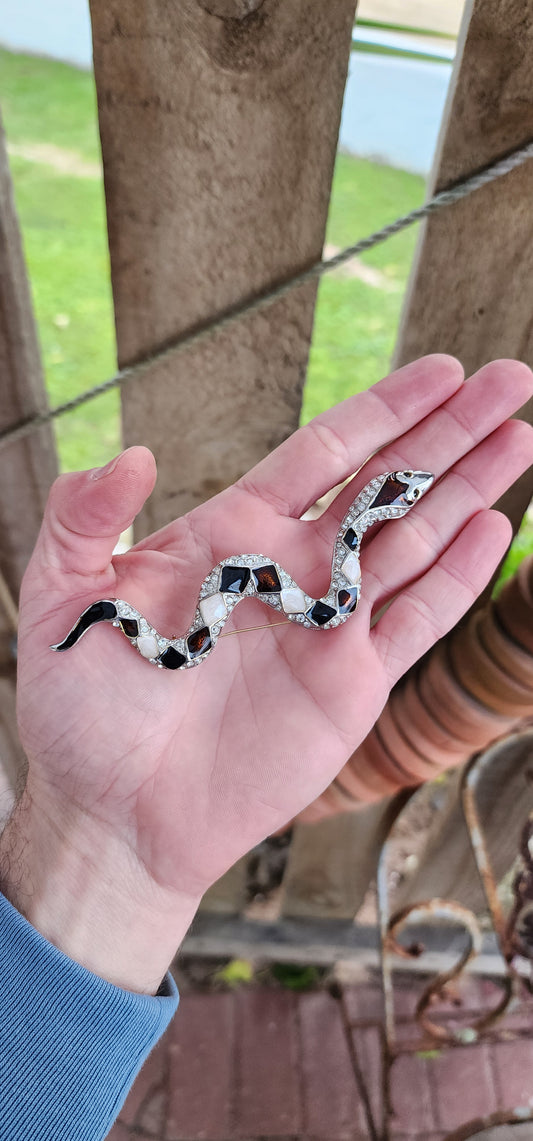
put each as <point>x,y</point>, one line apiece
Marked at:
<point>148,645</point>
<point>293,600</point>
<point>213,609</point>
<point>351,568</point>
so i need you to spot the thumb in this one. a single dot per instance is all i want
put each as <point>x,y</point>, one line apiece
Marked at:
<point>86,513</point>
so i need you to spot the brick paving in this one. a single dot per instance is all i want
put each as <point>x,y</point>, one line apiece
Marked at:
<point>267,1063</point>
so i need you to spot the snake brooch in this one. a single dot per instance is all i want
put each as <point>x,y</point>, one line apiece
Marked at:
<point>388,496</point>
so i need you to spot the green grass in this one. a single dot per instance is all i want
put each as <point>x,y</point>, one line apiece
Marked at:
<point>64,236</point>
<point>355,322</point>
<point>63,225</point>
<point>45,101</point>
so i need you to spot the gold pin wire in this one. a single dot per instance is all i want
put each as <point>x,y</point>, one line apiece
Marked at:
<point>246,629</point>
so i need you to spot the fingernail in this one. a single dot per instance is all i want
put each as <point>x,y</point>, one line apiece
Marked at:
<point>100,472</point>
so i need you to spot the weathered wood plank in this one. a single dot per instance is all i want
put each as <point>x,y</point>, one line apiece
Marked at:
<point>12,760</point>
<point>219,123</point>
<point>469,292</point>
<point>323,942</point>
<point>27,468</point>
<point>505,797</point>
<point>331,863</point>
<point>228,895</point>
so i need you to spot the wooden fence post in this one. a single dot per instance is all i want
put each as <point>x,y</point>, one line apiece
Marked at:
<point>28,467</point>
<point>470,292</point>
<point>219,123</point>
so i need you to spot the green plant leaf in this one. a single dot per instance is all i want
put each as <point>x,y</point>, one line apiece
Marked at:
<point>236,972</point>
<point>295,977</point>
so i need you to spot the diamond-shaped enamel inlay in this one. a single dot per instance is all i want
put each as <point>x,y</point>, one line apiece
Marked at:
<point>147,645</point>
<point>199,642</point>
<point>351,539</point>
<point>213,609</point>
<point>172,659</point>
<point>234,579</point>
<point>321,613</point>
<point>351,567</point>
<point>393,490</point>
<point>293,600</point>
<point>266,579</point>
<point>347,599</point>
<point>130,627</point>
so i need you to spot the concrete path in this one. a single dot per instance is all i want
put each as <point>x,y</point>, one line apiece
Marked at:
<point>265,1063</point>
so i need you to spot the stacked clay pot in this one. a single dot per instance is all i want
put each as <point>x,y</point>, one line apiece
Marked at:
<point>471,689</point>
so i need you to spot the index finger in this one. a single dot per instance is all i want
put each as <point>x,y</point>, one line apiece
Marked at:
<point>335,444</point>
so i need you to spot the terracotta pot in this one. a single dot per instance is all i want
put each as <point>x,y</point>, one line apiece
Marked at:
<point>504,650</point>
<point>394,740</point>
<point>414,717</point>
<point>515,614</point>
<point>524,576</point>
<point>428,756</point>
<point>464,717</point>
<point>419,758</point>
<point>330,803</point>
<point>371,772</point>
<point>480,675</point>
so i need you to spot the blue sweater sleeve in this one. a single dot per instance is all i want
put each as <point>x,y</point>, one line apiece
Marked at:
<point>71,1044</point>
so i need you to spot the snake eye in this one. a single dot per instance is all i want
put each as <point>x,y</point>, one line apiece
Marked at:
<point>416,492</point>
<point>409,474</point>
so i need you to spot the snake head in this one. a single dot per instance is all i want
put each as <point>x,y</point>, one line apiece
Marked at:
<point>417,483</point>
<point>403,489</point>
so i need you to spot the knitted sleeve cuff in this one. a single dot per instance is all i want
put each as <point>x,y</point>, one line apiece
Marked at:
<point>71,1044</point>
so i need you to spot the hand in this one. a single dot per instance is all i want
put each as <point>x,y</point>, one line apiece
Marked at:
<point>144,785</point>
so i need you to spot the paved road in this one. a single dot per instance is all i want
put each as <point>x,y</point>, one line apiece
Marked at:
<point>393,109</point>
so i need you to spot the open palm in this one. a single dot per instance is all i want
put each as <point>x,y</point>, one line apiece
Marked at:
<point>190,769</point>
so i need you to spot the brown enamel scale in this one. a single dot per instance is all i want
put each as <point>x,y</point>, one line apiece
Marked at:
<point>199,642</point>
<point>392,489</point>
<point>266,580</point>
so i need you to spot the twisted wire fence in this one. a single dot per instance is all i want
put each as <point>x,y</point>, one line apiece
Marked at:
<point>123,376</point>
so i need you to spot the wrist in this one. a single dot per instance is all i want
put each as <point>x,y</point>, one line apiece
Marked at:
<point>86,893</point>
